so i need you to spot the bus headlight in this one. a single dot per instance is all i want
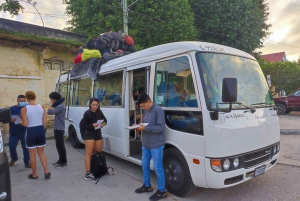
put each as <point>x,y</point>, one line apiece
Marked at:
<point>278,147</point>
<point>226,164</point>
<point>216,165</point>
<point>236,162</point>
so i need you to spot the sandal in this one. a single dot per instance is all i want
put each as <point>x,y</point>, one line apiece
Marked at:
<point>32,177</point>
<point>47,175</point>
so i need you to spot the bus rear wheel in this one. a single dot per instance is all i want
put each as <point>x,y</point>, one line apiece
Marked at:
<point>74,139</point>
<point>177,173</point>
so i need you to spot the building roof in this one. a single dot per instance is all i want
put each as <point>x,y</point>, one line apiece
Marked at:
<point>274,57</point>
<point>39,33</point>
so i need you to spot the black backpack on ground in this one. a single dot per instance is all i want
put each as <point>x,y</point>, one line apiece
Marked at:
<point>98,166</point>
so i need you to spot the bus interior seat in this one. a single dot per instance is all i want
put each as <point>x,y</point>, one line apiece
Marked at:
<point>168,91</point>
<point>190,103</point>
<point>114,99</point>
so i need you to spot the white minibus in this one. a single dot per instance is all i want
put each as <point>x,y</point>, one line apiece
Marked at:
<point>221,126</point>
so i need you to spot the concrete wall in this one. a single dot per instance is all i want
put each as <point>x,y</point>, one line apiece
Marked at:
<point>22,69</point>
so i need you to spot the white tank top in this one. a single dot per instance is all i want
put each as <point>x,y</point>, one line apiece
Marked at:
<point>34,115</point>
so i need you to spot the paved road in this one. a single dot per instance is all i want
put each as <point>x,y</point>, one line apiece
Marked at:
<point>280,183</point>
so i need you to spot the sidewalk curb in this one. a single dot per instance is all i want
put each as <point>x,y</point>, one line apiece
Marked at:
<point>290,131</point>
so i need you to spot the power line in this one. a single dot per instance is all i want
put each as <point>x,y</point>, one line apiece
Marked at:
<point>293,53</point>
<point>46,13</point>
<point>284,9</point>
<point>293,3</point>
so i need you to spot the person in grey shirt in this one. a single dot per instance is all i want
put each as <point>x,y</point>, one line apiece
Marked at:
<point>153,143</point>
<point>57,108</point>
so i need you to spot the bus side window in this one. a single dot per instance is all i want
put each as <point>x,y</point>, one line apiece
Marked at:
<point>108,89</point>
<point>82,92</point>
<point>174,85</point>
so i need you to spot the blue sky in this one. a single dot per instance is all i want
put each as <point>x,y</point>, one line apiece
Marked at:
<point>284,17</point>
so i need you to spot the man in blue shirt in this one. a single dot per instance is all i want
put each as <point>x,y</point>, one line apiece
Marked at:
<point>153,143</point>
<point>17,133</point>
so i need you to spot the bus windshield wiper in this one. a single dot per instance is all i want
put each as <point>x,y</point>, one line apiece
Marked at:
<point>241,104</point>
<point>250,108</point>
<point>262,103</point>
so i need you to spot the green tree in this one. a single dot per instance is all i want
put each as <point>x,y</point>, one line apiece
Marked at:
<point>151,22</point>
<point>284,75</point>
<point>14,6</point>
<point>236,23</point>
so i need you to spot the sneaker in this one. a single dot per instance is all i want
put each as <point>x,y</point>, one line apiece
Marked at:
<point>11,163</point>
<point>54,164</point>
<point>28,165</point>
<point>144,189</point>
<point>158,196</point>
<point>88,176</point>
<point>58,165</point>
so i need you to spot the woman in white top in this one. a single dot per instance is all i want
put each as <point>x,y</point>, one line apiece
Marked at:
<point>34,116</point>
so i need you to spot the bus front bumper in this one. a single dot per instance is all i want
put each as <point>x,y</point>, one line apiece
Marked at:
<point>231,178</point>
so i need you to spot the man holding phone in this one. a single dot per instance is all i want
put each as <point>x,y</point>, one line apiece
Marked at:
<point>17,133</point>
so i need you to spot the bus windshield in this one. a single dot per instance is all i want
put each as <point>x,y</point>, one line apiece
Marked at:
<point>253,90</point>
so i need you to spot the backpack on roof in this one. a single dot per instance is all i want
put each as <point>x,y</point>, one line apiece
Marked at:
<point>128,40</point>
<point>98,166</point>
<point>100,44</point>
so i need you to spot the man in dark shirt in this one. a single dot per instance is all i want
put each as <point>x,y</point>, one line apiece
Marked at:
<point>17,133</point>
<point>153,142</point>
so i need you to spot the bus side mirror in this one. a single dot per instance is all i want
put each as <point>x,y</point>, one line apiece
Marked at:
<point>229,90</point>
<point>229,95</point>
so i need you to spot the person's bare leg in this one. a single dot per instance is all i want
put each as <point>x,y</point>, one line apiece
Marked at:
<point>32,155</point>
<point>43,159</point>
<point>89,147</point>
<point>98,145</point>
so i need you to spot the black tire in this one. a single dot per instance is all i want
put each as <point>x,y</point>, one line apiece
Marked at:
<point>281,109</point>
<point>177,173</point>
<point>74,139</point>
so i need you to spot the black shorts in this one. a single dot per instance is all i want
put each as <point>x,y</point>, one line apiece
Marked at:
<point>92,135</point>
<point>35,137</point>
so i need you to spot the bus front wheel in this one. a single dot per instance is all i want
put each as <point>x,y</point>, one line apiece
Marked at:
<point>74,139</point>
<point>177,173</point>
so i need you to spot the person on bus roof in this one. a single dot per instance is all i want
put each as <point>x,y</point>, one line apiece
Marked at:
<point>57,108</point>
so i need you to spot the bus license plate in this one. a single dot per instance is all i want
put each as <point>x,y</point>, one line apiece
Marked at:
<point>259,171</point>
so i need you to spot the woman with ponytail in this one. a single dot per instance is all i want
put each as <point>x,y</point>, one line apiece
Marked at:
<point>92,136</point>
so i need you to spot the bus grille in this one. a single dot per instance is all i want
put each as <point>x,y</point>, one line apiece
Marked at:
<point>257,157</point>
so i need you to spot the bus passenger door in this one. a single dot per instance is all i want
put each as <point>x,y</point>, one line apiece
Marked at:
<point>138,83</point>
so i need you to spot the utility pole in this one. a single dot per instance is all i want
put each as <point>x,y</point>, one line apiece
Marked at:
<point>125,16</point>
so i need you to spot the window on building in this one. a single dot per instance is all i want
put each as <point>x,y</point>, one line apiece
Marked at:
<point>53,65</point>
<point>174,85</point>
<point>108,89</point>
<point>82,91</point>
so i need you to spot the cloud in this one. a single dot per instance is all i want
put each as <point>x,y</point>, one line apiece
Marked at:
<point>285,19</point>
<point>55,7</point>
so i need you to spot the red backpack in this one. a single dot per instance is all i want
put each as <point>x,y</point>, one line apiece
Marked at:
<point>128,40</point>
